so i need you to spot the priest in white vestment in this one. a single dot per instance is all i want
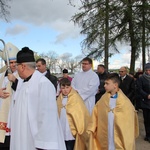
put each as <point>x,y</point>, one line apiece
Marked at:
<point>86,84</point>
<point>34,121</point>
<point>5,84</point>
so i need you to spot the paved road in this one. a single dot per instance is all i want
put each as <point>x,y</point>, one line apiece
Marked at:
<point>140,143</point>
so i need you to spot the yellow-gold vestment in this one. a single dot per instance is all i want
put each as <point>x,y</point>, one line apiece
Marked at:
<point>78,117</point>
<point>126,127</point>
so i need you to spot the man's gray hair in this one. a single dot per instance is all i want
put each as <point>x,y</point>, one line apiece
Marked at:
<point>31,65</point>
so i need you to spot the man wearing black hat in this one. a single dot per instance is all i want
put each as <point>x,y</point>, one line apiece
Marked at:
<point>144,90</point>
<point>65,75</point>
<point>34,121</point>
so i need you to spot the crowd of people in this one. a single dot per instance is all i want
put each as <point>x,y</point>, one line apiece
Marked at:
<point>91,111</point>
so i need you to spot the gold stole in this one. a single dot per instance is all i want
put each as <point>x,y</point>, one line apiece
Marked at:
<point>78,117</point>
<point>4,110</point>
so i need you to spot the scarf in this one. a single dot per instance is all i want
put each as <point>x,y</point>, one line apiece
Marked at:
<point>146,76</point>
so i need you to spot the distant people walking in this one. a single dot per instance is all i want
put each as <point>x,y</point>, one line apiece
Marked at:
<point>41,67</point>
<point>102,74</point>
<point>114,122</point>
<point>86,83</point>
<point>144,91</point>
<point>127,84</point>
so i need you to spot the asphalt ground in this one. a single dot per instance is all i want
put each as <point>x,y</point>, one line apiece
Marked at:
<point>140,143</point>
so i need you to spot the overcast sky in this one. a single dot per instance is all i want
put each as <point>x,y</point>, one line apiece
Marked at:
<point>45,25</point>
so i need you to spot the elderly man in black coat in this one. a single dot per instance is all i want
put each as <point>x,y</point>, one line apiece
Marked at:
<point>127,84</point>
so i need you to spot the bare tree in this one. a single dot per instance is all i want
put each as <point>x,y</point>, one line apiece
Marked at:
<point>57,63</point>
<point>51,58</point>
<point>4,9</point>
<point>64,60</point>
<point>71,63</point>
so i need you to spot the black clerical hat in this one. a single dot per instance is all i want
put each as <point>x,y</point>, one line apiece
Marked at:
<point>65,71</point>
<point>25,55</point>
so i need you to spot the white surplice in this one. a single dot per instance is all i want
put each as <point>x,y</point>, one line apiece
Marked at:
<point>111,144</point>
<point>5,82</point>
<point>34,120</point>
<point>64,122</point>
<point>86,84</point>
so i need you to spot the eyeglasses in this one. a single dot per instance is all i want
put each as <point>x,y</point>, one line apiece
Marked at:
<point>121,71</point>
<point>85,63</point>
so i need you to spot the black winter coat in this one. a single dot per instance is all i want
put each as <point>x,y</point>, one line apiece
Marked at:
<point>128,87</point>
<point>52,78</point>
<point>144,90</point>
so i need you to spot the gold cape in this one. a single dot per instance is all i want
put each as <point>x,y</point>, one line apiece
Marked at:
<point>126,127</point>
<point>78,117</point>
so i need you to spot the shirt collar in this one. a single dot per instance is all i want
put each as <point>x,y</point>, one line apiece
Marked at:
<point>44,73</point>
<point>114,96</point>
<point>65,96</point>
<point>28,78</point>
<point>123,77</point>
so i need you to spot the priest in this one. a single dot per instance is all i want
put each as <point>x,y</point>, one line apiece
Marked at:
<point>86,83</point>
<point>5,98</point>
<point>34,121</point>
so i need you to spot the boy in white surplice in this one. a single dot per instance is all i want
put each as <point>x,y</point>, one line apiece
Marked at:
<point>74,116</point>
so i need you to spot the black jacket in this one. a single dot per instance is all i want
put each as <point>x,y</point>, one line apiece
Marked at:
<point>102,78</point>
<point>144,90</point>
<point>128,86</point>
<point>52,78</point>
